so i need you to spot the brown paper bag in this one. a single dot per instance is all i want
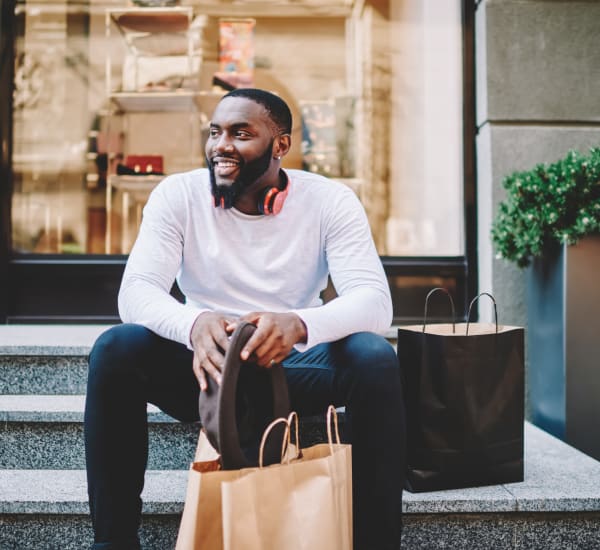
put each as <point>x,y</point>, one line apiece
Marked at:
<point>201,526</point>
<point>302,504</point>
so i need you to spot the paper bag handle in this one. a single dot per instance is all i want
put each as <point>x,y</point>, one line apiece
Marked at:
<point>332,416</point>
<point>473,302</point>
<point>293,417</point>
<point>285,443</point>
<point>432,291</point>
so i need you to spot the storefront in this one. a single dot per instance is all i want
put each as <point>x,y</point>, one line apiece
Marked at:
<point>99,98</point>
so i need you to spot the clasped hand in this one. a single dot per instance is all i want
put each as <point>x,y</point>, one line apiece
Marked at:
<point>272,341</point>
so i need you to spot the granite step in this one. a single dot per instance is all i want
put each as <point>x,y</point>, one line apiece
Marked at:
<point>48,359</point>
<point>45,359</point>
<point>46,432</point>
<point>557,507</point>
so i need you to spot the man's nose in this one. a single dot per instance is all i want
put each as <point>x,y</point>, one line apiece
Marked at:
<point>223,144</point>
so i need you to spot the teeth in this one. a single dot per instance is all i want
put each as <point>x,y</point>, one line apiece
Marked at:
<point>225,164</point>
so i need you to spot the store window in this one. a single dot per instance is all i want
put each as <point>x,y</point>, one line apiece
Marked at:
<point>110,95</point>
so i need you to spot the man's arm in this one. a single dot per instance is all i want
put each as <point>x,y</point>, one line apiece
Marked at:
<point>363,302</point>
<point>144,296</point>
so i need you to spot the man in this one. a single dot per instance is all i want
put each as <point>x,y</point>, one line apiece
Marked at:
<point>248,240</point>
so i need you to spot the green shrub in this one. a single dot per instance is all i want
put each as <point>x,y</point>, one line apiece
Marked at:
<point>549,204</point>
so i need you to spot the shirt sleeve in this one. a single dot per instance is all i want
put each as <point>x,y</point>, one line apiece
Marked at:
<point>364,301</point>
<point>154,261</point>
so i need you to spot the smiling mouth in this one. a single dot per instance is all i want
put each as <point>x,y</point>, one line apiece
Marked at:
<point>224,167</point>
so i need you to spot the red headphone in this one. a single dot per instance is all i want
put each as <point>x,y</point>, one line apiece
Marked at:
<point>272,198</point>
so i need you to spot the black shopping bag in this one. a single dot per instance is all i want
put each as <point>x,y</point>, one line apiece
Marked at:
<point>464,392</point>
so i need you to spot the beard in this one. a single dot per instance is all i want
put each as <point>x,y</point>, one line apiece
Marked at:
<point>250,173</point>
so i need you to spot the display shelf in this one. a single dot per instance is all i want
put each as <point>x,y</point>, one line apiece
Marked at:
<point>154,101</point>
<point>151,20</point>
<point>170,31</point>
<point>137,186</point>
<point>182,100</point>
<point>134,192</point>
<point>275,8</point>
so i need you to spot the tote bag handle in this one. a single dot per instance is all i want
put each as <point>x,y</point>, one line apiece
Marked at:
<point>473,302</point>
<point>451,304</point>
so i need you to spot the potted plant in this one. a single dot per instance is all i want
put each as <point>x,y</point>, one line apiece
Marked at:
<point>549,205</point>
<point>550,222</point>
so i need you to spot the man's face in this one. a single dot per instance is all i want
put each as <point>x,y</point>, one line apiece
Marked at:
<point>239,149</point>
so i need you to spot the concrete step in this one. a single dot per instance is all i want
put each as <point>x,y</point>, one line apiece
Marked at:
<point>48,509</point>
<point>45,359</point>
<point>46,432</point>
<point>48,359</point>
<point>556,507</point>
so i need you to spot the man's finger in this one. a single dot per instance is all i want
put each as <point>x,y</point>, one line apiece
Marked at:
<point>259,336</point>
<point>212,371</point>
<point>202,380</point>
<point>216,358</point>
<point>198,372</point>
<point>267,350</point>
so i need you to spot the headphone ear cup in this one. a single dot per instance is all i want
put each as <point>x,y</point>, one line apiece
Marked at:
<point>278,202</point>
<point>265,204</point>
<point>272,199</point>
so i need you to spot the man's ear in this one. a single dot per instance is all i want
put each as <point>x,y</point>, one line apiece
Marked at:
<point>282,145</point>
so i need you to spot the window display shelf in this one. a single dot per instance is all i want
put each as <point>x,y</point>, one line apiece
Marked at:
<point>181,100</point>
<point>152,20</point>
<point>139,186</point>
<point>133,192</point>
<point>276,8</point>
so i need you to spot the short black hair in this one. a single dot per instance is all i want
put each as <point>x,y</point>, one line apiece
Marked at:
<point>276,107</point>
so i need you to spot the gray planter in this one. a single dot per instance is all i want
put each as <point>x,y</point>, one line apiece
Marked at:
<point>563,342</point>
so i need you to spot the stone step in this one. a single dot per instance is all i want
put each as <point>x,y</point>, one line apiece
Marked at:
<point>556,507</point>
<point>43,374</point>
<point>46,432</point>
<point>49,359</point>
<point>45,359</point>
<point>48,509</point>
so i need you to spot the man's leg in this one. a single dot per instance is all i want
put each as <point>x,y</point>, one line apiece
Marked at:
<point>362,373</point>
<point>129,366</point>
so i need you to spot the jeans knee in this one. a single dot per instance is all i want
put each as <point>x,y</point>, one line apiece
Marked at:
<point>117,352</point>
<point>368,349</point>
<point>372,362</point>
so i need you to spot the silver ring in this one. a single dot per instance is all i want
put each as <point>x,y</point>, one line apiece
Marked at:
<point>272,363</point>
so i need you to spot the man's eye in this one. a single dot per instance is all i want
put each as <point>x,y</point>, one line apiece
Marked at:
<point>242,134</point>
<point>213,132</point>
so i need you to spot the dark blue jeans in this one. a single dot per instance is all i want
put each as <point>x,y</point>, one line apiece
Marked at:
<point>130,366</point>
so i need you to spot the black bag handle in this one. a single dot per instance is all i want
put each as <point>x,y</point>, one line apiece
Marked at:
<point>432,291</point>
<point>471,305</point>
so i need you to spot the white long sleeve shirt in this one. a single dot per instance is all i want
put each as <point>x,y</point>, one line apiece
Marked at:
<point>228,261</point>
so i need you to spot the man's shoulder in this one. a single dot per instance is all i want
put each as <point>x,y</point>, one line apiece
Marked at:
<point>183,182</point>
<point>186,178</point>
<point>316,183</point>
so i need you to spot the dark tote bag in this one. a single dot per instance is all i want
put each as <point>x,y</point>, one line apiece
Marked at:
<point>464,393</point>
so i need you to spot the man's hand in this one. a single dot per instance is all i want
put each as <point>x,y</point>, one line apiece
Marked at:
<point>209,333</point>
<point>275,335</point>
